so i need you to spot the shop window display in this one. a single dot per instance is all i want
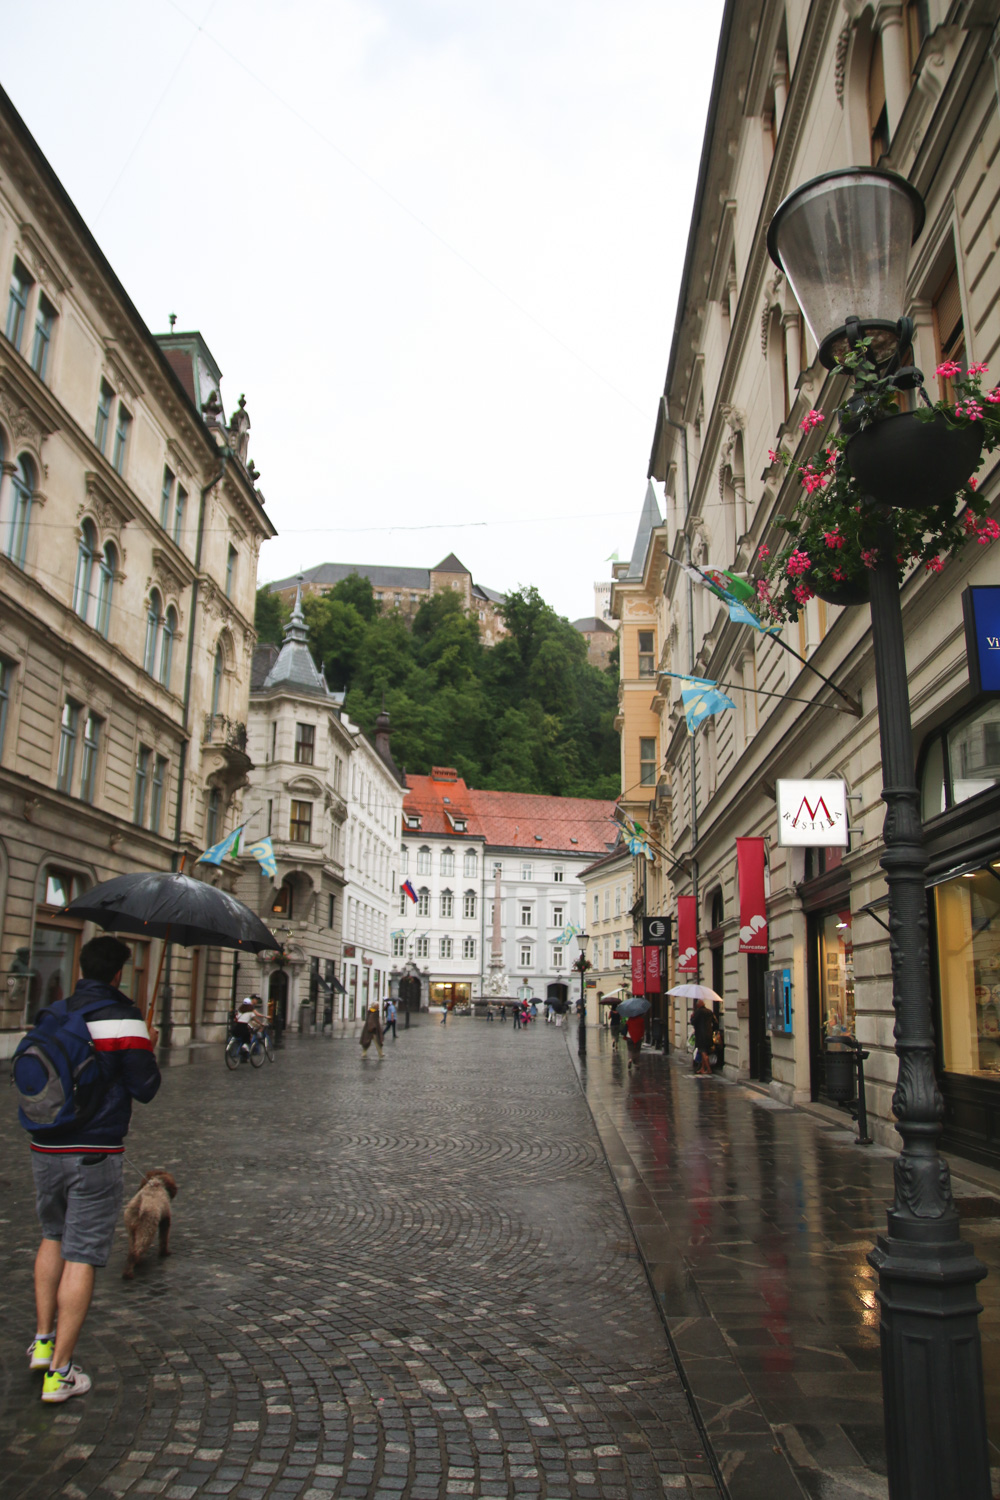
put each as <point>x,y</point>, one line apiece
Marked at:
<point>967,913</point>
<point>836,975</point>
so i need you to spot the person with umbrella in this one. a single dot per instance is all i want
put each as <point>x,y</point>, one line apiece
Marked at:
<point>703,1026</point>
<point>633,1013</point>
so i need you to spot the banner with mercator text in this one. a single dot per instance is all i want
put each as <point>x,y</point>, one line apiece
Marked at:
<point>753,900</point>
<point>687,935</point>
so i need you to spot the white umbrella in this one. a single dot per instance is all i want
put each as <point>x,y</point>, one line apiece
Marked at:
<point>695,992</point>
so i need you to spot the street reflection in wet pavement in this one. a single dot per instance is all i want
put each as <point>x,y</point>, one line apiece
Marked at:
<point>754,1220</point>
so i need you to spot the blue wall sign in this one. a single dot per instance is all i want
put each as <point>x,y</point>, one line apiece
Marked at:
<point>981,606</point>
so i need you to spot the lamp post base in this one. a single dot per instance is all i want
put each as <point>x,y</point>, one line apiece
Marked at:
<point>932,1368</point>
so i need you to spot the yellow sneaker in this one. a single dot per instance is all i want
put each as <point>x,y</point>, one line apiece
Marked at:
<point>40,1353</point>
<point>59,1385</point>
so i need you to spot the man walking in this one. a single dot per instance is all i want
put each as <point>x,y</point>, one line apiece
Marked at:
<point>78,1169</point>
<point>390,1019</point>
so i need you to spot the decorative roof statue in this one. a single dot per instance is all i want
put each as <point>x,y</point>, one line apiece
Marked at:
<point>239,431</point>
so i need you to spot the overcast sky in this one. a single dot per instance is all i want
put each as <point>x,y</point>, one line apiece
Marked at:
<point>437,243</point>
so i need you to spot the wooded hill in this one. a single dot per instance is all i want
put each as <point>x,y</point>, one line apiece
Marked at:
<point>529,714</point>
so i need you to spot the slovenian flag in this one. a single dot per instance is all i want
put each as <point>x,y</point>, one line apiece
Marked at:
<point>408,890</point>
<point>229,845</point>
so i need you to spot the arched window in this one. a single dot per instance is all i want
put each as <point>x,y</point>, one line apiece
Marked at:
<point>167,646</point>
<point>217,671</point>
<point>447,903</point>
<point>423,860</point>
<point>469,904</point>
<point>471,862</point>
<point>23,487</point>
<point>447,861</point>
<point>105,586</point>
<point>83,586</point>
<point>152,631</point>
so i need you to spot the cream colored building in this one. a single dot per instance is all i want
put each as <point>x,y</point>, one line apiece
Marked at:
<point>801,88</point>
<point>608,886</point>
<point>331,803</point>
<point>130,528</point>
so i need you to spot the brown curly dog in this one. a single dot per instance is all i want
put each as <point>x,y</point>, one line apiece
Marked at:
<point>148,1214</point>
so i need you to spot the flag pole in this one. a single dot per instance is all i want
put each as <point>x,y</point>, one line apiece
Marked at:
<point>853,706</point>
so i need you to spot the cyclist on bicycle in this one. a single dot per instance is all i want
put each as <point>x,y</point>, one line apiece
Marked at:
<point>246,1020</point>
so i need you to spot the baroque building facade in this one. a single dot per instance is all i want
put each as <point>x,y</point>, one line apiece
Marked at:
<point>800,88</point>
<point>130,527</point>
<point>331,803</point>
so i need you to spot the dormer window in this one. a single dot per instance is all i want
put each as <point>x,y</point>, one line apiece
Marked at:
<point>413,820</point>
<point>460,825</point>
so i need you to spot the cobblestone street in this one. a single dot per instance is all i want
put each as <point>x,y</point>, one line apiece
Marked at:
<point>408,1278</point>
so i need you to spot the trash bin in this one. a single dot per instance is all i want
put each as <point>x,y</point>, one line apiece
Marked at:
<point>839,1074</point>
<point>307,1017</point>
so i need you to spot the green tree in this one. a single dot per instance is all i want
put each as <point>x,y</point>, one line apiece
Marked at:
<point>336,634</point>
<point>270,615</point>
<point>357,591</point>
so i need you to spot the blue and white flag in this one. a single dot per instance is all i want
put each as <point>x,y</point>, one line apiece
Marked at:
<point>740,615</point>
<point>263,853</point>
<point>639,846</point>
<point>701,701</point>
<point>217,853</point>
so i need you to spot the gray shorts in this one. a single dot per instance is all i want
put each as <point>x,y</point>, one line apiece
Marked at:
<point>78,1202</point>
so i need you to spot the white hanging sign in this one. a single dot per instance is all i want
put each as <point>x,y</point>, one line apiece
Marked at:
<point>812,813</point>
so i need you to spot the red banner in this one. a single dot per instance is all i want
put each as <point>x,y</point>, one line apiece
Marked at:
<point>753,902</point>
<point>638,972</point>
<point>687,935</point>
<point>652,971</point>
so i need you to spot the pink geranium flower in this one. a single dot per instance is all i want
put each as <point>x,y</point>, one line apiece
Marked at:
<point>839,574</point>
<point>979,369</point>
<point>833,538</point>
<point>800,562</point>
<point>870,557</point>
<point>973,483</point>
<point>765,550</point>
<point>812,419</point>
<point>971,409</point>
<point>993,396</point>
<point>774,456</point>
<point>935,565</point>
<point>802,593</point>
<point>948,370</point>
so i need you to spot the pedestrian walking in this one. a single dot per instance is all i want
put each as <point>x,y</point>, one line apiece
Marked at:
<point>703,1026</point>
<point>517,1018</point>
<point>444,1015</point>
<point>489,1012</point>
<point>371,1031</point>
<point>635,1030</point>
<point>615,1024</point>
<point>503,1013</point>
<point>390,1018</point>
<point>77,1164</point>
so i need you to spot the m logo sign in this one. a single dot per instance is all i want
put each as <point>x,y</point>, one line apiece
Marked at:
<point>812,813</point>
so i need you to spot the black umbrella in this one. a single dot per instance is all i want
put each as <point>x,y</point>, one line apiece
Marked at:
<point>176,908</point>
<point>173,906</point>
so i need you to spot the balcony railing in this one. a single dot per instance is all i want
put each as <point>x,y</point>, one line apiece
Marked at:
<point>228,734</point>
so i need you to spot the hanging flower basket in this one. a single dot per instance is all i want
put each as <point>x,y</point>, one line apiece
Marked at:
<point>920,464</point>
<point>909,461</point>
<point>849,591</point>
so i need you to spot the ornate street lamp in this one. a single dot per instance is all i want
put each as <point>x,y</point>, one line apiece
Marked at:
<point>843,242</point>
<point>581,967</point>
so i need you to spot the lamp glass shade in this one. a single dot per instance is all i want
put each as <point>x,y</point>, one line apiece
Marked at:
<point>583,938</point>
<point>843,241</point>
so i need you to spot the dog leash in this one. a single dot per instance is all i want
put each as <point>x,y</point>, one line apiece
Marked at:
<point>135,1169</point>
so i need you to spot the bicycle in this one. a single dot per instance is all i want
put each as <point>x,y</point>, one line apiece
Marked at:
<point>259,1047</point>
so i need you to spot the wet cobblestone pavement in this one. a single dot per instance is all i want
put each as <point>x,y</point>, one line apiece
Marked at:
<point>755,1221</point>
<point>411,1278</point>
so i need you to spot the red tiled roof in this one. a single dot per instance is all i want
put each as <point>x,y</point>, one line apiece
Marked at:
<point>518,820</point>
<point>434,797</point>
<point>578,825</point>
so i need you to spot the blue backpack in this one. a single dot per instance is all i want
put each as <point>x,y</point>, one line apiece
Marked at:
<point>56,1070</point>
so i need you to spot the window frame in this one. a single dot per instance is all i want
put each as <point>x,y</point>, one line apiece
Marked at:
<point>157,789</point>
<point>119,447</point>
<point>7,669</point>
<point>102,422</point>
<point>647,761</point>
<point>305,739</point>
<point>143,758</point>
<point>296,821</point>
<point>14,327</point>
<point>69,729</point>
<point>92,726</point>
<point>41,344</point>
